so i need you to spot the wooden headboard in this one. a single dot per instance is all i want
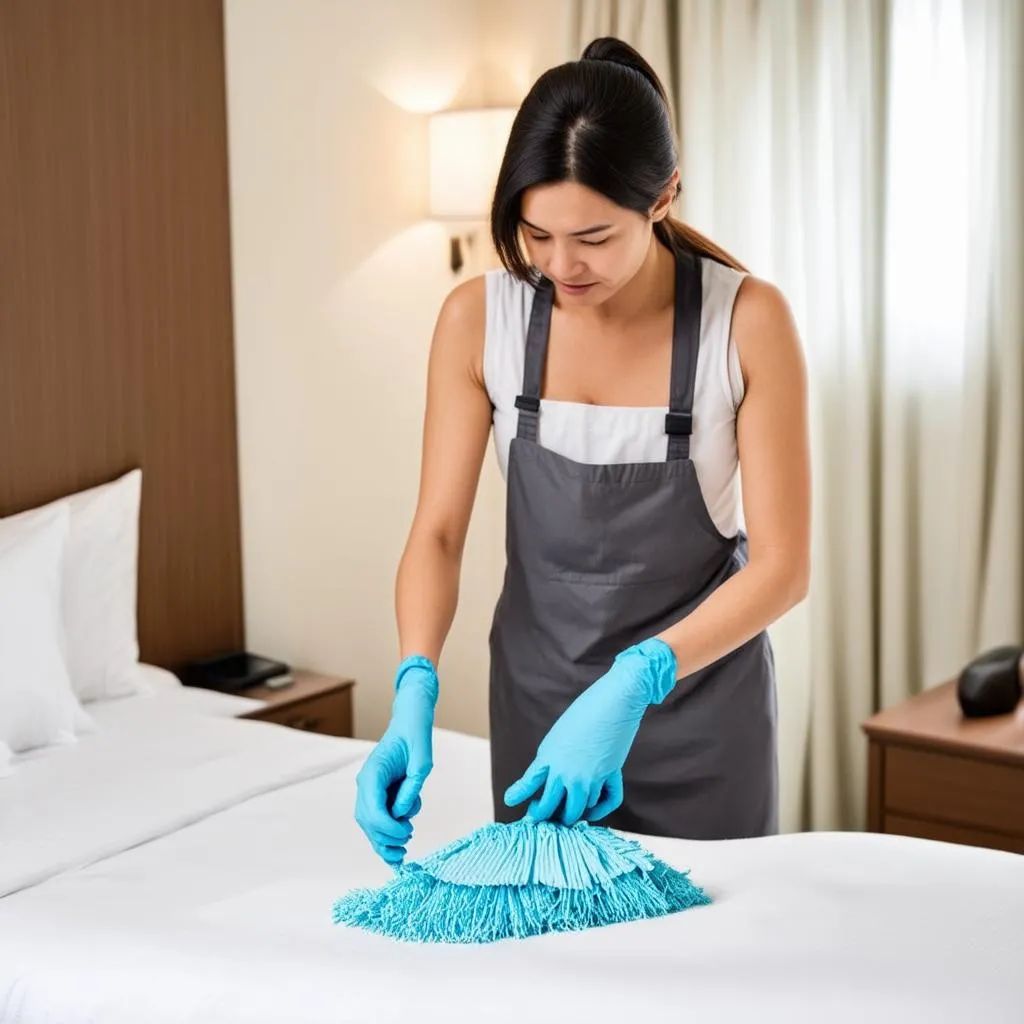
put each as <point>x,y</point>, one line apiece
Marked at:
<point>116,345</point>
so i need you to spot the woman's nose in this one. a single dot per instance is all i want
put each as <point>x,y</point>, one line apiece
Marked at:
<point>564,263</point>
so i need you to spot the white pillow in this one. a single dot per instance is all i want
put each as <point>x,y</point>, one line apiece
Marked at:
<point>37,705</point>
<point>101,587</point>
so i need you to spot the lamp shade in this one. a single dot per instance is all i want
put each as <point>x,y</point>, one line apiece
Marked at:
<point>466,148</point>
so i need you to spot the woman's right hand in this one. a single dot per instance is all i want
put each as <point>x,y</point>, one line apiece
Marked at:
<point>400,763</point>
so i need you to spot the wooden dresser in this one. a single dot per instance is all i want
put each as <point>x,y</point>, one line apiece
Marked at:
<point>314,702</point>
<point>938,775</point>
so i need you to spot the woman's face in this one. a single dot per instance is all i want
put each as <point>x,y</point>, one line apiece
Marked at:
<point>586,244</point>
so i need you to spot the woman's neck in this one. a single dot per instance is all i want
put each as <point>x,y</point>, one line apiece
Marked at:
<point>649,292</point>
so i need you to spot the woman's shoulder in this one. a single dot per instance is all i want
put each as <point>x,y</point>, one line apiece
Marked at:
<point>459,330</point>
<point>760,304</point>
<point>483,320</point>
<point>479,297</point>
<point>466,302</point>
<point>763,326</point>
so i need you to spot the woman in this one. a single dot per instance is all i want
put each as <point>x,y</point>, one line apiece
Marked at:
<point>632,680</point>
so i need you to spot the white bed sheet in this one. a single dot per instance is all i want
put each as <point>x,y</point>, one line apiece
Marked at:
<point>159,684</point>
<point>156,761</point>
<point>228,921</point>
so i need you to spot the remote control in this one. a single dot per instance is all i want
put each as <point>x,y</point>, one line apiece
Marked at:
<point>278,682</point>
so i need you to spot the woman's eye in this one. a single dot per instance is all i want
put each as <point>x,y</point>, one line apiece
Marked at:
<point>547,238</point>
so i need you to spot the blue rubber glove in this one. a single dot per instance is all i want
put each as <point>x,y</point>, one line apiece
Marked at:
<point>389,783</point>
<point>580,759</point>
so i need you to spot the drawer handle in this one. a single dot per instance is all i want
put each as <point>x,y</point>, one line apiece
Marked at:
<point>304,722</point>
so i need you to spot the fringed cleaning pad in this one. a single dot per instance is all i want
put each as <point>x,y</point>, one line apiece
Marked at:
<point>520,880</point>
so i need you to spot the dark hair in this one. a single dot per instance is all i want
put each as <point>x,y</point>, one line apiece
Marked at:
<point>603,121</point>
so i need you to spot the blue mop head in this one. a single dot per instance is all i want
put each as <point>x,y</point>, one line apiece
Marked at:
<point>518,880</point>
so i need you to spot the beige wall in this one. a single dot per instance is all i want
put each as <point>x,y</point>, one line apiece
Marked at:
<point>337,281</point>
<point>521,40</point>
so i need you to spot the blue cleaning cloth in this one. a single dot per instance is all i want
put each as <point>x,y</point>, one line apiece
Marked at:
<point>520,880</point>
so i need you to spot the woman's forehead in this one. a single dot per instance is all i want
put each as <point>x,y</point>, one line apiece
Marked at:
<point>567,207</point>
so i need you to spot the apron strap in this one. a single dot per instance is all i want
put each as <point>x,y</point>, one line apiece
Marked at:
<point>528,403</point>
<point>685,345</point>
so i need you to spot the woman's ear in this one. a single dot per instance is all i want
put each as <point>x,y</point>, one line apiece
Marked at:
<point>663,206</point>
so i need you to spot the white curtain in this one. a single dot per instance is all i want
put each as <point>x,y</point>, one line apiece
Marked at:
<point>953,376</point>
<point>866,156</point>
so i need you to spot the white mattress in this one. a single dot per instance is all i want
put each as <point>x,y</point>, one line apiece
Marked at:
<point>228,920</point>
<point>156,761</point>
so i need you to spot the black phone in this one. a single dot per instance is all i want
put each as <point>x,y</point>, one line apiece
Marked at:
<point>236,670</point>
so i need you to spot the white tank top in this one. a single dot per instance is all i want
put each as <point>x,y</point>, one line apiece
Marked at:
<point>604,434</point>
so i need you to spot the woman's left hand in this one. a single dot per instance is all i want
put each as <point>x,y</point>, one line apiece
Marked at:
<point>580,759</point>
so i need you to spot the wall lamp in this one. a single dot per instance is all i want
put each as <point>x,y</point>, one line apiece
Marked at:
<point>466,148</point>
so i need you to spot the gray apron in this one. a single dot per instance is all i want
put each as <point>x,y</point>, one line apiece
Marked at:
<point>602,557</point>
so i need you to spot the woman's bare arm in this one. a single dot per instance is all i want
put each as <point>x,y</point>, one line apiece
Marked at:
<point>774,455</point>
<point>457,424</point>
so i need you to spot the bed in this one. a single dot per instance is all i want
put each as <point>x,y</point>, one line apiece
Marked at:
<point>195,884</point>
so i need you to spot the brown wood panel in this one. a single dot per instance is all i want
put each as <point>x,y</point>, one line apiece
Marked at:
<point>330,714</point>
<point>314,702</point>
<point>306,684</point>
<point>958,790</point>
<point>876,785</point>
<point>116,345</point>
<point>933,719</point>
<point>920,829</point>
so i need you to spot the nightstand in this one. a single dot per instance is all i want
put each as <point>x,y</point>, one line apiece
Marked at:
<point>316,703</point>
<point>937,775</point>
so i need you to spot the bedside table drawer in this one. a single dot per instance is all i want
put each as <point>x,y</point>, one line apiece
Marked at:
<point>958,790</point>
<point>330,714</point>
<point>897,824</point>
